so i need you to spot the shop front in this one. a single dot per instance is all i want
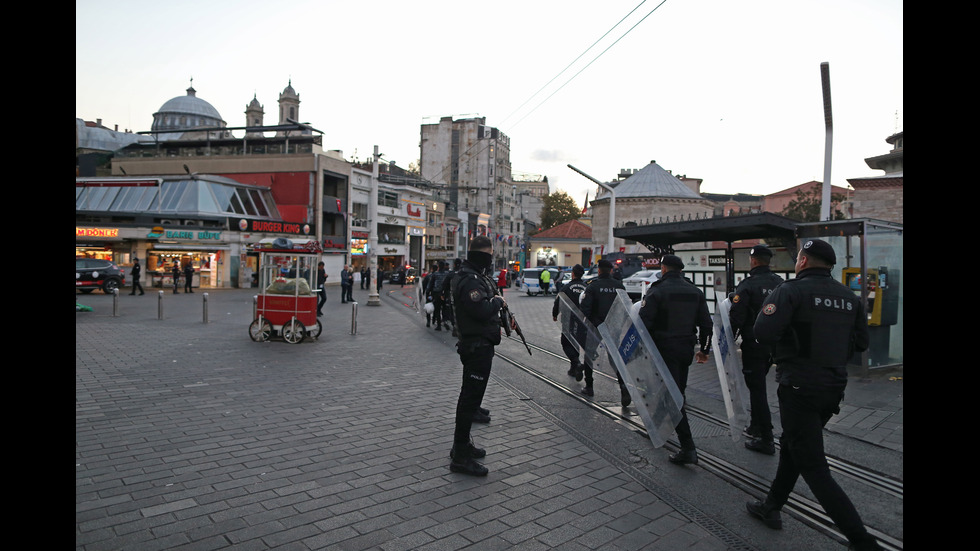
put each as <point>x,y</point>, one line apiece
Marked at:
<point>206,252</point>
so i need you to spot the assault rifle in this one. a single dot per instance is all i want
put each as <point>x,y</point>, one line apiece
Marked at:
<point>507,320</point>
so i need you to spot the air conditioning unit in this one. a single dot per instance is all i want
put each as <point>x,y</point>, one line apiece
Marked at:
<point>474,191</point>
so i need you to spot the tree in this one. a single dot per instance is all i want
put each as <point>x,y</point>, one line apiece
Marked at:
<point>806,206</point>
<point>413,169</point>
<point>557,209</point>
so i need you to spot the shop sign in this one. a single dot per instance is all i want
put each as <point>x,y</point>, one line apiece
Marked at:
<point>200,235</point>
<point>155,233</point>
<point>273,226</point>
<point>96,232</point>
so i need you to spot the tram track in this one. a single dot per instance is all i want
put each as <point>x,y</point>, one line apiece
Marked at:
<point>800,507</point>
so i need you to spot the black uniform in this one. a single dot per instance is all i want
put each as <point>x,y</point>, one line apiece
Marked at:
<point>814,324</point>
<point>599,296</point>
<point>136,277</point>
<point>477,308</point>
<point>438,298</point>
<point>188,278</point>
<point>175,273</point>
<point>573,290</point>
<point>321,283</point>
<point>756,358</point>
<point>675,313</point>
<point>427,296</point>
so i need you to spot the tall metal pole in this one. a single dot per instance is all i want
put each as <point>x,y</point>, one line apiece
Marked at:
<point>373,298</point>
<point>612,208</point>
<point>829,120</point>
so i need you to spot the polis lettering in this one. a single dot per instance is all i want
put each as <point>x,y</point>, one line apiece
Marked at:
<point>833,303</point>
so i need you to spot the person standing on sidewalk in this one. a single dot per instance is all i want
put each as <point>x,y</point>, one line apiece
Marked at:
<point>346,281</point>
<point>573,290</point>
<point>175,274</point>
<point>188,278</point>
<point>136,276</point>
<point>756,358</point>
<point>814,324</point>
<point>321,283</point>
<point>598,299</point>
<point>675,314</point>
<point>478,309</point>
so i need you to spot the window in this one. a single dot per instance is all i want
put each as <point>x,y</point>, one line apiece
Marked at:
<point>388,199</point>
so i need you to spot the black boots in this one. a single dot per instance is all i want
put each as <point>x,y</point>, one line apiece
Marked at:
<point>624,395</point>
<point>761,445</point>
<point>464,460</point>
<point>588,391</point>
<point>471,451</point>
<point>765,512</point>
<point>684,457</point>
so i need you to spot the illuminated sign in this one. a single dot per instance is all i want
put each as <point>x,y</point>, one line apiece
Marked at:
<point>96,232</point>
<point>272,226</point>
<point>200,235</point>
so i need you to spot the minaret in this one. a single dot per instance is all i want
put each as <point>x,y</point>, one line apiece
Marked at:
<point>288,105</point>
<point>254,114</point>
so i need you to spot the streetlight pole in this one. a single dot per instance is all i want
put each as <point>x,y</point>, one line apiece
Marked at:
<point>373,298</point>
<point>612,208</point>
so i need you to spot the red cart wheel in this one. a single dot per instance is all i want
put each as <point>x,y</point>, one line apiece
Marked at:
<point>293,331</point>
<point>260,330</point>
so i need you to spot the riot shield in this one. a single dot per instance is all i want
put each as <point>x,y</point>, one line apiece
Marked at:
<point>580,332</point>
<point>655,394</point>
<point>733,388</point>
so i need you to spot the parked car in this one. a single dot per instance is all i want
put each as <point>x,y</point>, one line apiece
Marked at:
<point>92,273</point>
<point>637,284</point>
<point>529,280</point>
<point>409,276</point>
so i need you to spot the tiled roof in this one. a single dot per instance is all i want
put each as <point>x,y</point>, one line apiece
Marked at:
<point>651,181</point>
<point>573,229</point>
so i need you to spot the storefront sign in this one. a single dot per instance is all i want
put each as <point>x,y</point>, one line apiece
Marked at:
<point>272,226</point>
<point>199,235</point>
<point>96,232</point>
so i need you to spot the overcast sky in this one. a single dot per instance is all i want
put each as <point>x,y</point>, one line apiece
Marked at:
<point>729,92</point>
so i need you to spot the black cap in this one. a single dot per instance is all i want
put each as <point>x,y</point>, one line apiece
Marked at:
<point>820,249</point>
<point>672,261</point>
<point>605,264</point>
<point>761,251</point>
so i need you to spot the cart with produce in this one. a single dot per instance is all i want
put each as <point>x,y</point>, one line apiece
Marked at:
<point>286,304</point>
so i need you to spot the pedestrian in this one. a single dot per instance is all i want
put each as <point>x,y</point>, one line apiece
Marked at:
<point>380,277</point>
<point>573,290</point>
<point>544,280</point>
<point>188,277</point>
<point>477,308</point>
<point>436,288</point>
<point>598,299</point>
<point>449,314</point>
<point>136,276</point>
<point>321,283</point>
<point>363,278</point>
<point>366,278</point>
<point>502,281</point>
<point>427,293</point>
<point>175,273</point>
<point>675,313</point>
<point>814,324</point>
<point>756,358</point>
<point>346,284</point>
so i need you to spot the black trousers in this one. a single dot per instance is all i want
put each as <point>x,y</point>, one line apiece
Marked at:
<point>571,350</point>
<point>755,369</point>
<point>678,357</point>
<point>137,285</point>
<point>803,414</point>
<point>439,306</point>
<point>476,374</point>
<point>321,298</point>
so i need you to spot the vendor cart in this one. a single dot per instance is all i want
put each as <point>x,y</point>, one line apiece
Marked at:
<point>286,305</point>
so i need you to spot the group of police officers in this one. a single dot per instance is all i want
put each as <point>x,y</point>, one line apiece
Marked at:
<point>809,327</point>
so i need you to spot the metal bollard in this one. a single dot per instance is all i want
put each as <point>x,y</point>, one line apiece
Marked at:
<point>160,305</point>
<point>205,307</point>
<point>353,318</point>
<point>115,302</point>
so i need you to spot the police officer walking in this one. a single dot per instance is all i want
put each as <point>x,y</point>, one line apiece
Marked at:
<point>438,299</point>
<point>477,309</point>
<point>599,296</point>
<point>675,313</point>
<point>573,290</point>
<point>756,358</point>
<point>136,276</point>
<point>814,325</point>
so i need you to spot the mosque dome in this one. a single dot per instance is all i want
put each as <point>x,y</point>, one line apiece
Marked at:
<point>651,181</point>
<point>184,113</point>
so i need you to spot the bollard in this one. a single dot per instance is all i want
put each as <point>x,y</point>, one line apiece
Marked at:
<point>160,305</point>
<point>205,307</point>
<point>353,318</point>
<point>115,302</point>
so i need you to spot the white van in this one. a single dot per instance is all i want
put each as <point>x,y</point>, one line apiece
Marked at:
<point>530,284</point>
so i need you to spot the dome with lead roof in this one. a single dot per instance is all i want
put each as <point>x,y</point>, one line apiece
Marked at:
<point>188,112</point>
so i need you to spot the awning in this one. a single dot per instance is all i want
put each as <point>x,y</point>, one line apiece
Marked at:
<point>729,229</point>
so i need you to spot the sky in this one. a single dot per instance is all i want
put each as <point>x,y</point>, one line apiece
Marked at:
<point>728,92</point>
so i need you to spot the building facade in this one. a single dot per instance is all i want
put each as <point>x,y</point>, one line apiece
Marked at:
<point>882,197</point>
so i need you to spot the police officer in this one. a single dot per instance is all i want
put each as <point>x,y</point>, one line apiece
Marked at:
<point>477,308</point>
<point>598,299</point>
<point>136,276</point>
<point>756,358</point>
<point>675,313</point>
<point>573,290</point>
<point>427,296</point>
<point>814,325</point>
<point>438,299</point>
